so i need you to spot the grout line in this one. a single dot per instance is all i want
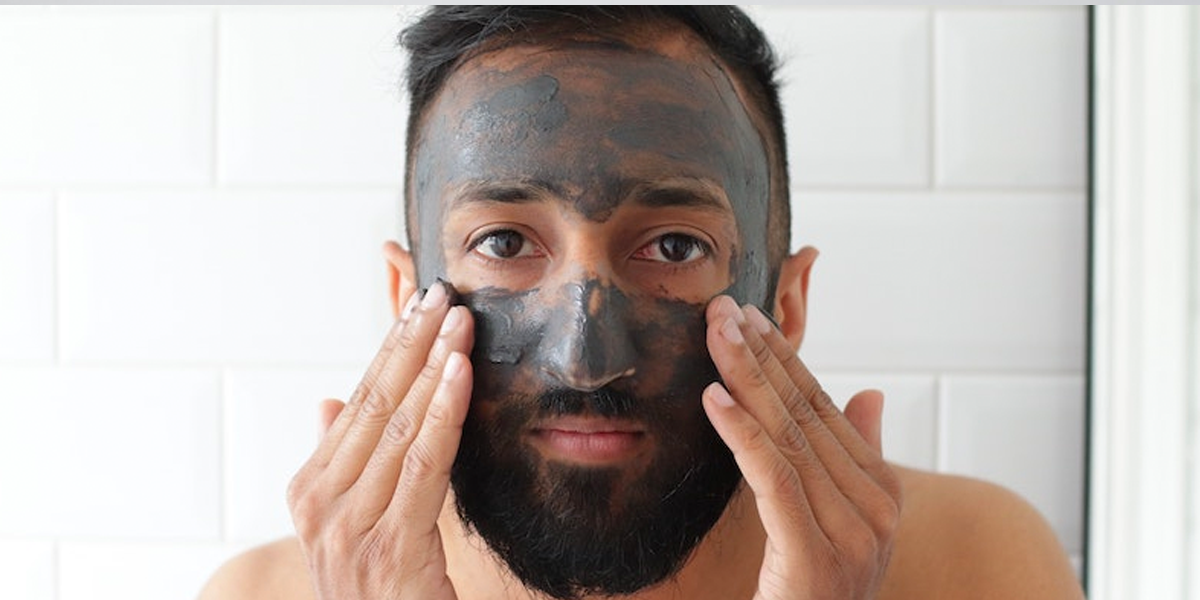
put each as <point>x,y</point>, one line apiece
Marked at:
<point>55,570</point>
<point>933,79</point>
<point>941,443</point>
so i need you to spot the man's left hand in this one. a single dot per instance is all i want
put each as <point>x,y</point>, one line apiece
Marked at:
<point>828,501</point>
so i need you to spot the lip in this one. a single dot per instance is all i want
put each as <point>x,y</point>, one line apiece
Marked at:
<point>589,440</point>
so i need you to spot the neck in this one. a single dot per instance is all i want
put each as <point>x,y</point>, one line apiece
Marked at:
<point>724,566</point>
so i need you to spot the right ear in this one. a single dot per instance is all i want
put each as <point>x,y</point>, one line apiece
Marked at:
<point>402,276</point>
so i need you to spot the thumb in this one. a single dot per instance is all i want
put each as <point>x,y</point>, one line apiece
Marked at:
<point>865,412</point>
<point>327,411</point>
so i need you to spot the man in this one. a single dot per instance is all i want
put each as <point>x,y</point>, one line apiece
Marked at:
<point>597,394</point>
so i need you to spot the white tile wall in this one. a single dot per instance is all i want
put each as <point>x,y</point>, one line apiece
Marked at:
<point>1011,97</point>
<point>85,101</point>
<point>271,428</point>
<point>138,570</point>
<point>311,95</point>
<point>910,418</point>
<point>857,86</point>
<point>27,570</point>
<point>192,201</point>
<point>109,452</point>
<point>26,276</point>
<point>224,276</point>
<point>945,280</point>
<point>1025,433</point>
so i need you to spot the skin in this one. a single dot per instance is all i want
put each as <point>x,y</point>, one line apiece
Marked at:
<point>822,515</point>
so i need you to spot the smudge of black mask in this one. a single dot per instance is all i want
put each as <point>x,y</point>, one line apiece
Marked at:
<point>570,530</point>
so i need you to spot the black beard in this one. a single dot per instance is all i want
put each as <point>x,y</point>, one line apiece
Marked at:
<point>569,531</point>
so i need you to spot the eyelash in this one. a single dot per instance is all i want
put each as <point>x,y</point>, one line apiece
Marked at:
<point>705,248</point>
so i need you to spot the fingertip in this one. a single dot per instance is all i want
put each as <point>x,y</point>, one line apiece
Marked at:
<point>719,396</point>
<point>327,412</point>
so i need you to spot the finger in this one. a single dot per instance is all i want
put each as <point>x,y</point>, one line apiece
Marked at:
<point>378,479</point>
<point>425,477</point>
<point>865,412</point>
<point>746,381</point>
<point>814,397</point>
<point>337,430</point>
<point>327,411</point>
<point>382,391</point>
<point>780,493</point>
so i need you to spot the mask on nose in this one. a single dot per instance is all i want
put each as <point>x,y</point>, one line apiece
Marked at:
<point>589,348</point>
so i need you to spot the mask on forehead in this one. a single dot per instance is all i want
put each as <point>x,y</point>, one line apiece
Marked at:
<point>588,123</point>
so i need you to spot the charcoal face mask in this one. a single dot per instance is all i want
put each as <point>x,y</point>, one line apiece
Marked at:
<point>585,121</point>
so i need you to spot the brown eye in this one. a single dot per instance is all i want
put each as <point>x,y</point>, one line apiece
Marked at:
<point>674,248</point>
<point>677,248</point>
<point>501,244</point>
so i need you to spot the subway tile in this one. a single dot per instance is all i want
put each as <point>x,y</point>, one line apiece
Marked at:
<point>106,96</point>
<point>311,95</point>
<point>909,432</point>
<point>856,91</point>
<point>138,571</point>
<point>945,281</point>
<point>27,570</point>
<point>1011,97</point>
<point>271,428</point>
<point>267,276</point>
<point>109,452</point>
<point>1025,433</point>
<point>26,276</point>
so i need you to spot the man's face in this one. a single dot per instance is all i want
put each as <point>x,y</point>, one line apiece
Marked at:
<point>588,200</point>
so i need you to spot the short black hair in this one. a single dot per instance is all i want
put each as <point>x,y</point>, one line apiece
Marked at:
<point>444,36</point>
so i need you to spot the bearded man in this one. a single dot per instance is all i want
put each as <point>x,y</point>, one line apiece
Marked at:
<point>592,388</point>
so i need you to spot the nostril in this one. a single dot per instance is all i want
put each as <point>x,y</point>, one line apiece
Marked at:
<point>582,380</point>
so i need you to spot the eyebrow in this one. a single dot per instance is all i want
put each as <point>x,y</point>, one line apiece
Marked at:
<point>687,193</point>
<point>675,192</point>
<point>505,192</point>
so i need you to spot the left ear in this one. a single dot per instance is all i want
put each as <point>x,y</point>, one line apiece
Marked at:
<point>791,294</point>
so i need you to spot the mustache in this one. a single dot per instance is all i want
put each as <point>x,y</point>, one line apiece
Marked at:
<point>606,402</point>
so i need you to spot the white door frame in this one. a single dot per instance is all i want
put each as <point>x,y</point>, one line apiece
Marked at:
<point>1144,401</point>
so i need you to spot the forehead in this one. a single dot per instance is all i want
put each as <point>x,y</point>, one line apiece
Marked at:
<point>588,119</point>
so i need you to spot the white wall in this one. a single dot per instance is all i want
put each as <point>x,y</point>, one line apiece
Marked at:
<point>192,202</point>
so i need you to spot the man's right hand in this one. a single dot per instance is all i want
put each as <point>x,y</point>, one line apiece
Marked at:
<point>366,503</point>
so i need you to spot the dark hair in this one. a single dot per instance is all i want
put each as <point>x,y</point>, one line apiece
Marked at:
<point>446,35</point>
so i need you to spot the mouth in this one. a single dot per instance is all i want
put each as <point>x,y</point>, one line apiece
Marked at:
<point>589,440</point>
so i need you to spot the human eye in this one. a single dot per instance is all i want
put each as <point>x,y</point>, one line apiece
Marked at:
<point>503,244</point>
<point>675,248</point>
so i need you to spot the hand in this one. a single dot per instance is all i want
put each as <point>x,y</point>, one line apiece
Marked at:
<point>828,501</point>
<point>366,503</point>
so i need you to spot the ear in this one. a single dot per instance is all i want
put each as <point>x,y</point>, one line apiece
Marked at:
<point>402,276</point>
<point>791,294</point>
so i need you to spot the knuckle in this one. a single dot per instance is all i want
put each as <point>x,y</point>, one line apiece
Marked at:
<point>792,437</point>
<point>419,462</point>
<point>431,371</point>
<point>399,429</point>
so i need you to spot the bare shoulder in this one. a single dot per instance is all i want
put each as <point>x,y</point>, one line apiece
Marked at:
<point>965,538</point>
<point>268,572</point>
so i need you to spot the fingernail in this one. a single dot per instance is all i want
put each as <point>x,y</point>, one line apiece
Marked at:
<point>730,331</point>
<point>453,318</point>
<point>434,296</point>
<point>454,365</point>
<point>759,320</point>
<point>409,306</point>
<point>720,395</point>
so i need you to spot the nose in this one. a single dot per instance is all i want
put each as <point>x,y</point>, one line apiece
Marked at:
<point>590,345</point>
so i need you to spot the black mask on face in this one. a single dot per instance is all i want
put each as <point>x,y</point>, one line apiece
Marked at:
<point>570,530</point>
<point>587,120</point>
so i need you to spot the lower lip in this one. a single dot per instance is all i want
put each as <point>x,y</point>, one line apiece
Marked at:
<point>600,447</point>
